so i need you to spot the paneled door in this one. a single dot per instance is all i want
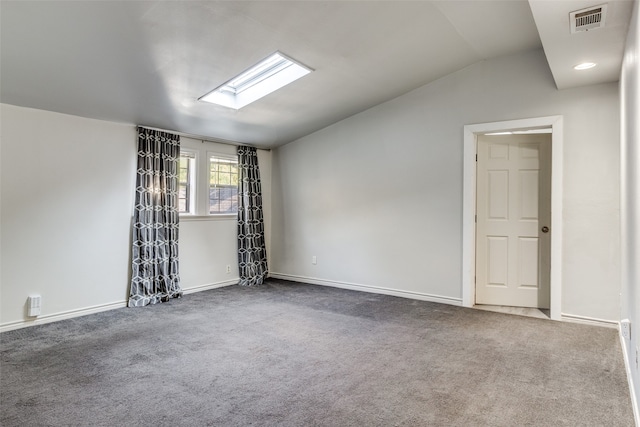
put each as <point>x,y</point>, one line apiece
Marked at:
<point>513,208</point>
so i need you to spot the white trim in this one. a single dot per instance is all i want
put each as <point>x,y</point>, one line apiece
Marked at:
<point>193,156</point>
<point>585,320</point>
<point>209,286</point>
<point>366,288</point>
<point>211,217</point>
<point>48,318</point>
<point>627,367</point>
<point>469,204</point>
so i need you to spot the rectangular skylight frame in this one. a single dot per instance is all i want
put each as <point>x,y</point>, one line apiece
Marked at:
<point>267,76</point>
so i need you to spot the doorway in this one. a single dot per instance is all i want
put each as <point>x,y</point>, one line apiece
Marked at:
<point>471,135</point>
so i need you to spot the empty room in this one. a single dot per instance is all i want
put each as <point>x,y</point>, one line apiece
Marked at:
<point>319,213</point>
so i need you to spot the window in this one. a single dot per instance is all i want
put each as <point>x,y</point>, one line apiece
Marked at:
<point>207,181</point>
<point>186,183</point>
<point>223,185</point>
<point>267,76</point>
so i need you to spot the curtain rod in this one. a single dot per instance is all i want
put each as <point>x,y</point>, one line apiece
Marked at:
<point>204,138</point>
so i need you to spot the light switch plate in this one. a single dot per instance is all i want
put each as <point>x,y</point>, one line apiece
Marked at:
<point>625,328</point>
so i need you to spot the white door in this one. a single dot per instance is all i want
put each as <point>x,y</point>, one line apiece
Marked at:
<point>513,209</point>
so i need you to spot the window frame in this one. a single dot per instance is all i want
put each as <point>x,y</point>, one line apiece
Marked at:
<point>203,149</point>
<point>192,189</point>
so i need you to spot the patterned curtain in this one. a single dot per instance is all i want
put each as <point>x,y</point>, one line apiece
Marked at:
<point>252,254</point>
<point>154,275</point>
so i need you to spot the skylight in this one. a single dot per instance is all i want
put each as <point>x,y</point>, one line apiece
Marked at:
<point>265,77</point>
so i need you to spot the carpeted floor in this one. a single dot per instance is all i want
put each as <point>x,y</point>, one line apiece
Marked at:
<point>288,354</point>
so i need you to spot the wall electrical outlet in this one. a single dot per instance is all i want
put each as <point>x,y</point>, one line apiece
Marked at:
<point>625,328</point>
<point>228,269</point>
<point>34,303</point>
<point>314,260</point>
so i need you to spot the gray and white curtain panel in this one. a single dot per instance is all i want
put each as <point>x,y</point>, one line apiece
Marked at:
<point>252,254</point>
<point>154,275</point>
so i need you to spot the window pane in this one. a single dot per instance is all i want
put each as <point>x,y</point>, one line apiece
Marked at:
<point>184,169</point>
<point>227,201</point>
<point>225,193</point>
<point>214,193</point>
<point>224,179</point>
<point>185,172</point>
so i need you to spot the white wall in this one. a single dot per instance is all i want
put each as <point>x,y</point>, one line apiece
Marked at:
<point>630,195</point>
<point>378,197</point>
<point>65,222</point>
<point>67,196</point>
<point>208,246</point>
<point>203,242</point>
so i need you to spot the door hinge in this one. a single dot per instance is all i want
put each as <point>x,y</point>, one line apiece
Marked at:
<point>476,220</point>
<point>476,157</point>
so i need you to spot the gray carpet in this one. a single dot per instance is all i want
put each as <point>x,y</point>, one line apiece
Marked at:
<point>288,354</point>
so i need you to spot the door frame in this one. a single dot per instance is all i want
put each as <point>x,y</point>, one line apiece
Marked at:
<point>469,204</point>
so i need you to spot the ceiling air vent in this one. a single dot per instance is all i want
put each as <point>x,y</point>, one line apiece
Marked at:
<point>588,19</point>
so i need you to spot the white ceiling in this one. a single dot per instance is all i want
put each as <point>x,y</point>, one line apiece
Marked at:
<point>147,62</point>
<point>564,50</point>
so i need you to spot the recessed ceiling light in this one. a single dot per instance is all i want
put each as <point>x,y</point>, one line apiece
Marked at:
<point>265,77</point>
<point>585,66</point>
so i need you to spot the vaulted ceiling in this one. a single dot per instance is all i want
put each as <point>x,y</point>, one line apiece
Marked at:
<point>147,62</point>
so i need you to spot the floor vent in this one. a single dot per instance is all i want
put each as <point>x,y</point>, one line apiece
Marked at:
<point>588,19</point>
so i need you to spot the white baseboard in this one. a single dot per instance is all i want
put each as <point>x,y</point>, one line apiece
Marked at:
<point>590,321</point>
<point>367,288</point>
<point>208,286</point>
<point>48,318</point>
<point>627,366</point>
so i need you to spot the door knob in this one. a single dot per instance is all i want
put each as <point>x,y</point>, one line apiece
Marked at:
<point>545,229</point>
